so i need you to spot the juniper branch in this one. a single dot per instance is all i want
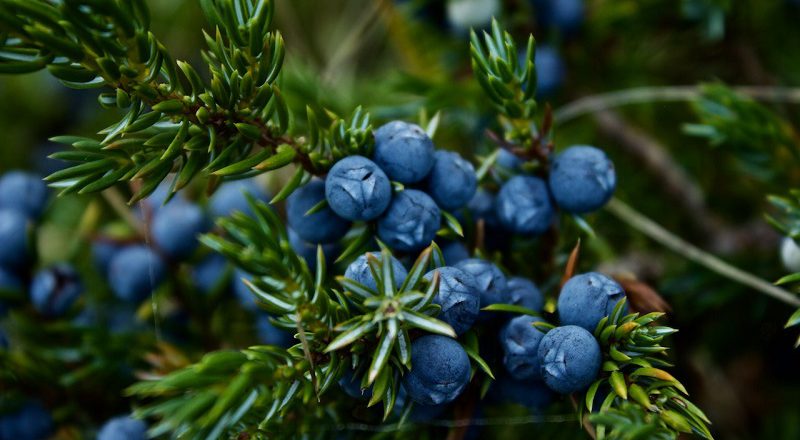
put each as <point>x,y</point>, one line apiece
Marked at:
<point>651,229</point>
<point>234,126</point>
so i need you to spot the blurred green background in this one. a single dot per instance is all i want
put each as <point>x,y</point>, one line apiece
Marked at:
<point>405,60</point>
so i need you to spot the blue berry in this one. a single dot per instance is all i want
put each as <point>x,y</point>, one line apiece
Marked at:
<point>357,189</point>
<point>158,198</point>
<point>411,222</point>
<point>454,252</point>
<point>440,370</point>
<point>135,272</point>
<point>55,289</point>
<point>176,228</point>
<point>102,253</point>
<point>387,131</point>
<point>520,342</point>
<point>308,251</point>
<point>459,298</point>
<point>549,71</point>
<point>31,422</point>
<point>452,182</point>
<point>403,151</point>
<point>123,428</point>
<point>359,272</point>
<point>525,293</point>
<point>565,15</point>
<point>23,192</point>
<point>524,207</point>
<point>209,273</point>
<point>582,179</point>
<point>246,298</point>
<point>507,159</point>
<point>323,226</point>
<point>790,254</point>
<point>15,251</point>
<point>482,207</point>
<point>570,359</point>
<point>490,281</point>
<point>271,335</point>
<point>232,197</point>
<point>464,15</point>
<point>585,299</point>
<point>351,385</point>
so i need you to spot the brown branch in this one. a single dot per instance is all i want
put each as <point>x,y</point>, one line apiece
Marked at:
<point>120,206</point>
<point>587,425</point>
<point>683,190</point>
<point>539,149</point>
<point>648,95</point>
<point>463,412</point>
<point>675,181</point>
<point>691,252</point>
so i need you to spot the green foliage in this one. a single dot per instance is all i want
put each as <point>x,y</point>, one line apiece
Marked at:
<point>234,123</point>
<point>710,13</point>
<point>788,218</point>
<point>507,78</point>
<point>357,328</point>
<point>760,140</point>
<point>757,137</point>
<point>631,422</point>
<point>249,390</point>
<point>65,361</point>
<point>234,126</point>
<point>633,374</point>
<point>788,222</point>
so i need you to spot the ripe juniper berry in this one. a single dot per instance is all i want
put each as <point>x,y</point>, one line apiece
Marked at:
<point>582,179</point>
<point>357,190</point>
<point>570,359</point>
<point>323,226</point>
<point>524,206</point>
<point>459,298</point>
<point>411,221</point>
<point>403,151</point>
<point>440,370</point>
<point>586,298</point>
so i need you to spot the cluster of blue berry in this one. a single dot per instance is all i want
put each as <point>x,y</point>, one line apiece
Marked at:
<point>134,269</point>
<point>359,189</point>
<point>581,179</point>
<point>51,290</point>
<point>567,359</point>
<point>132,266</point>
